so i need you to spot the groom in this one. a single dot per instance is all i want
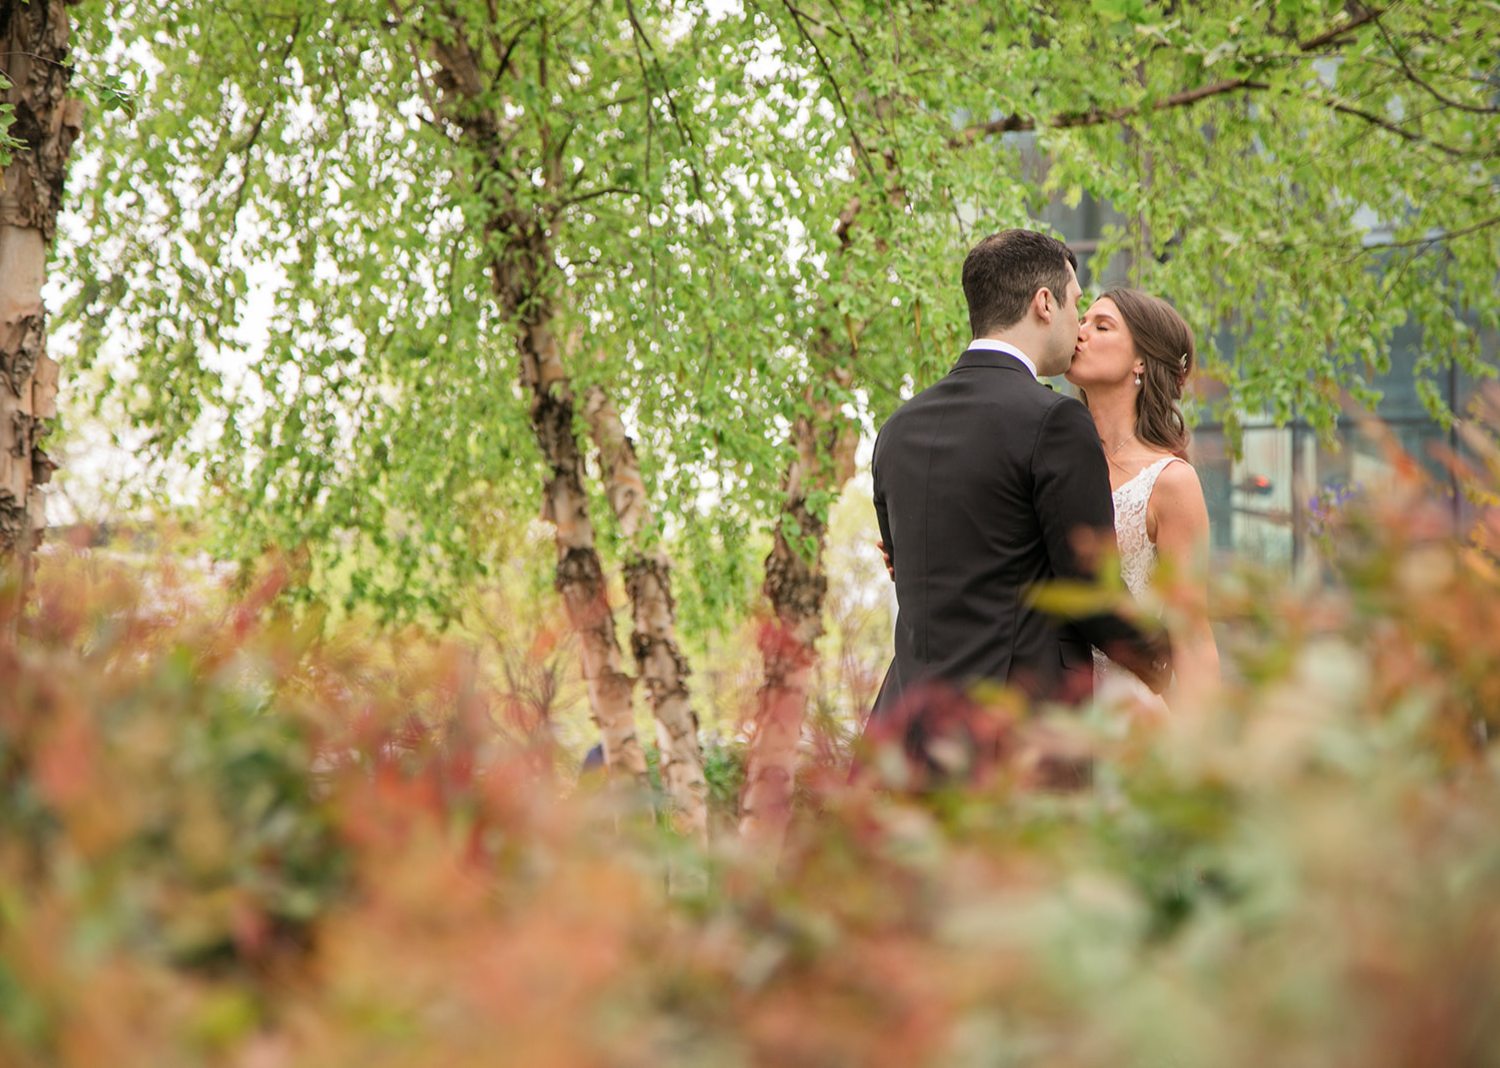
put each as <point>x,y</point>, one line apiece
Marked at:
<point>986,486</point>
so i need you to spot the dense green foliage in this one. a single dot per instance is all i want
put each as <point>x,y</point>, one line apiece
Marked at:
<point>754,209</point>
<point>383,419</point>
<point>229,841</point>
<point>236,835</point>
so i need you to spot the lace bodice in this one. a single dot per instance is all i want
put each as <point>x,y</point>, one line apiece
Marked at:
<point>1137,553</point>
<point>1137,562</point>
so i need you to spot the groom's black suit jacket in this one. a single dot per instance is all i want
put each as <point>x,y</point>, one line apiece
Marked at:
<point>981,483</point>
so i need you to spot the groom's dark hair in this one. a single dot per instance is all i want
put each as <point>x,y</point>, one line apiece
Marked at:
<point>1003,272</point>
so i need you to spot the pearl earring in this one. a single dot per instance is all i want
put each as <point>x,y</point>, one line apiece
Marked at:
<point>1138,378</point>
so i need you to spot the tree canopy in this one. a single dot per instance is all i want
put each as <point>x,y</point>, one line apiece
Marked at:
<point>754,210</point>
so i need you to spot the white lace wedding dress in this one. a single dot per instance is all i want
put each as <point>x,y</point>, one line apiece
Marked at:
<point>1112,683</point>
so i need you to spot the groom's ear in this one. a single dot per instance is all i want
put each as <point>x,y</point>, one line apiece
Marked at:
<point>1044,304</point>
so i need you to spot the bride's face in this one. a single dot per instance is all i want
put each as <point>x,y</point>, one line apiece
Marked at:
<point>1105,354</point>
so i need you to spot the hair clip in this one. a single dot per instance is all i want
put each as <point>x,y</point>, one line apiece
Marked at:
<point>1184,361</point>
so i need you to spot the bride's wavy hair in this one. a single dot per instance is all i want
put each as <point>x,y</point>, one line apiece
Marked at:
<point>1165,344</point>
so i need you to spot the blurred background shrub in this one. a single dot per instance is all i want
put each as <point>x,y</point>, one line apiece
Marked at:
<point>232,836</point>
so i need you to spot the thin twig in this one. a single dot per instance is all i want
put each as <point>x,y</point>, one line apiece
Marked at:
<point>1095,117</point>
<point>72,71</point>
<point>864,61</point>
<point>640,59</point>
<point>1399,131</point>
<point>859,145</point>
<point>1338,31</point>
<point>1428,242</point>
<point>505,53</point>
<point>864,57</point>
<point>423,82</point>
<point>592,195</point>
<point>1189,96</point>
<point>1413,76</point>
<point>815,20</point>
<point>666,91</point>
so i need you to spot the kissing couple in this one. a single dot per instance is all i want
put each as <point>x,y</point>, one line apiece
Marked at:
<point>990,485</point>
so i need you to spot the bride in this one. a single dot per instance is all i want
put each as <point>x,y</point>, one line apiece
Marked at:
<point>1133,357</point>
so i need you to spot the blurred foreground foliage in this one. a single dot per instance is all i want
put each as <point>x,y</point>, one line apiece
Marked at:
<point>226,838</point>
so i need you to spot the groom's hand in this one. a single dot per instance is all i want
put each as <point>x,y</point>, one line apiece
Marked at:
<point>890,569</point>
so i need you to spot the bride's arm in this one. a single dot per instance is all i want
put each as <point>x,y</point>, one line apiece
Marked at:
<point>1180,520</point>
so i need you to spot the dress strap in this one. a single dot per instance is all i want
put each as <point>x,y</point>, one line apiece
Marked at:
<point>1148,488</point>
<point>1143,481</point>
<point>1153,472</point>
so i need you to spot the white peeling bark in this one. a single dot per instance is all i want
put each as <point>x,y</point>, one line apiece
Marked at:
<point>659,660</point>
<point>33,59</point>
<point>524,273</point>
<point>579,576</point>
<point>796,586</point>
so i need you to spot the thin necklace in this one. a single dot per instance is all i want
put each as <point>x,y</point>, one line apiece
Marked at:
<point>1120,446</point>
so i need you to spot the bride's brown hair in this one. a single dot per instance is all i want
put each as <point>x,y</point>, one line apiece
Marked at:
<point>1165,344</point>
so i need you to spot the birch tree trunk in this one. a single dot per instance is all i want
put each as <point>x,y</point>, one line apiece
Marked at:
<point>825,442</point>
<point>796,586</point>
<point>580,576</point>
<point>33,59</point>
<point>522,269</point>
<point>659,661</point>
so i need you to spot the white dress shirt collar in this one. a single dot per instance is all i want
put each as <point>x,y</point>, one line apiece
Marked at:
<point>991,345</point>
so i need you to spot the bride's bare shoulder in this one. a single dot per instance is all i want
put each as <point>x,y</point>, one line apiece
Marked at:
<point>1179,476</point>
<point>1177,487</point>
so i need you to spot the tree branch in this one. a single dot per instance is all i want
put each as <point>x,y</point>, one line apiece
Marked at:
<point>640,59</point>
<point>859,146</point>
<point>1188,96</point>
<point>864,57</point>
<point>592,195</point>
<point>504,54</point>
<point>1414,77</point>
<point>864,61</point>
<point>1428,242</point>
<point>1313,44</point>
<point>813,19</point>
<point>246,149</point>
<point>1399,131</point>
<point>423,85</point>
<point>1095,117</point>
<point>666,91</point>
